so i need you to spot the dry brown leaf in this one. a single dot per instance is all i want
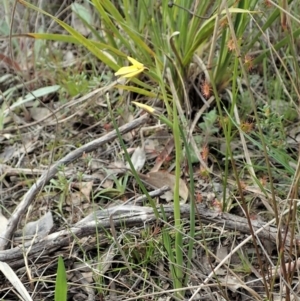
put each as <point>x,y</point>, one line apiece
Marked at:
<point>125,118</point>
<point>104,180</point>
<point>138,159</point>
<point>232,282</point>
<point>115,168</point>
<point>75,198</point>
<point>156,143</point>
<point>159,179</point>
<point>164,155</point>
<point>39,113</point>
<point>222,252</point>
<point>85,188</point>
<point>41,227</point>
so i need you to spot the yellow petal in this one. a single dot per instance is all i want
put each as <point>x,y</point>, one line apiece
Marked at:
<point>135,63</point>
<point>144,107</point>
<point>126,71</point>
<point>132,70</point>
<point>132,74</point>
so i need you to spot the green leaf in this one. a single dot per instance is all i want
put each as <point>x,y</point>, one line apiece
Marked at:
<point>82,12</point>
<point>73,40</point>
<point>209,119</point>
<point>32,96</point>
<point>61,286</point>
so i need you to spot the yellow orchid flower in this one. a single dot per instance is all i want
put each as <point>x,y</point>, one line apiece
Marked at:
<point>131,71</point>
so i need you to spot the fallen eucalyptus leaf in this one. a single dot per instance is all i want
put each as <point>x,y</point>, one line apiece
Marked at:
<point>138,159</point>
<point>15,281</point>
<point>126,117</point>
<point>159,179</point>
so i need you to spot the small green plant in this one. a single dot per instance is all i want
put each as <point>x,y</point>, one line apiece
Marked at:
<point>244,266</point>
<point>208,125</point>
<point>76,84</point>
<point>62,184</point>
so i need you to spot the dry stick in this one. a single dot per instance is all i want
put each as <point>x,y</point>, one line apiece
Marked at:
<point>142,198</point>
<point>49,174</point>
<point>130,216</point>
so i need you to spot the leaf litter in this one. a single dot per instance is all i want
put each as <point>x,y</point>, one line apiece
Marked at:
<point>107,166</point>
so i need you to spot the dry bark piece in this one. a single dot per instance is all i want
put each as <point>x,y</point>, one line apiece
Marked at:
<point>130,216</point>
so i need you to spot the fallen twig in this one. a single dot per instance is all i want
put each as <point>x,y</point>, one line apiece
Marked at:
<point>128,216</point>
